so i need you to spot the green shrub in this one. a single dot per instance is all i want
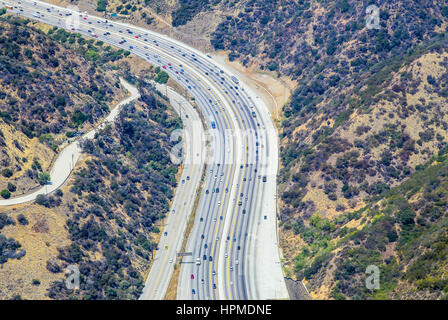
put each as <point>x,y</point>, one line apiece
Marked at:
<point>5,194</point>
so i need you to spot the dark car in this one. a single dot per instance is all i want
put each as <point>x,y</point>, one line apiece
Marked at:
<point>205,257</point>
<point>202,236</point>
<point>210,258</point>
<point>217,190</point>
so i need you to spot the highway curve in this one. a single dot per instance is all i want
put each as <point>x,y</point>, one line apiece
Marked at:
<point>235,228</point>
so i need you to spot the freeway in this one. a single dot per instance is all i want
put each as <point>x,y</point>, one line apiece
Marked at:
<point>234,238</point>
<point>173,233</point>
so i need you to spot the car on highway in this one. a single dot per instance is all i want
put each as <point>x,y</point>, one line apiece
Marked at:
<point>210,258</point>
<point>214,286</point>
<point>202,281</point>
<point>166,233</point>
<point>198,261</point>
<point>213,273</point>
<point>205,257</point>
<point>231,268</point>
<point>171,260</point>
<point>202,236</point>
<point>205,246</point>
<point>193,291</point>
<point>192,276</point>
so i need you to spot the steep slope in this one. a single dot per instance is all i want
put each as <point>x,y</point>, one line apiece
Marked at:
<point>116,201</point>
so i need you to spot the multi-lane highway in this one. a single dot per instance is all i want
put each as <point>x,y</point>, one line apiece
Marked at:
<point>173,233</point>
<point>233,241</point>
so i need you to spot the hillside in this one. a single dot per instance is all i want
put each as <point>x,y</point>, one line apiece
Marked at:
<point>105,219</point>
<point>116,201</point>
<point>47,94</point>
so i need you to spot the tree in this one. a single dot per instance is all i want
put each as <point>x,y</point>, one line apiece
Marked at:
<point>5,194</point>
<point>162,77</point>
<point>101,5</point>
<point>7,173</point>
<point>44,178</point>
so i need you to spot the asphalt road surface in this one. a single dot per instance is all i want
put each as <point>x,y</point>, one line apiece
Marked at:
<point>234,242</point>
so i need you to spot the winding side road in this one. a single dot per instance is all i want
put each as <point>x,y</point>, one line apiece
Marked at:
<point>67,158</point>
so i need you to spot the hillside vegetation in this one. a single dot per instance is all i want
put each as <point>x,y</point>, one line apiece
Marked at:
<point>116,200</point>
<point>106,219</point>
<point>47,94</point>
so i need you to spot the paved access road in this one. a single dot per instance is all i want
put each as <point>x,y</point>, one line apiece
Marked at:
<point>234,238</point>
<point>68,157</point>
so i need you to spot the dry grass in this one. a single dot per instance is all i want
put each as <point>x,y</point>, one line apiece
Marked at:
<point>40,238</point>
